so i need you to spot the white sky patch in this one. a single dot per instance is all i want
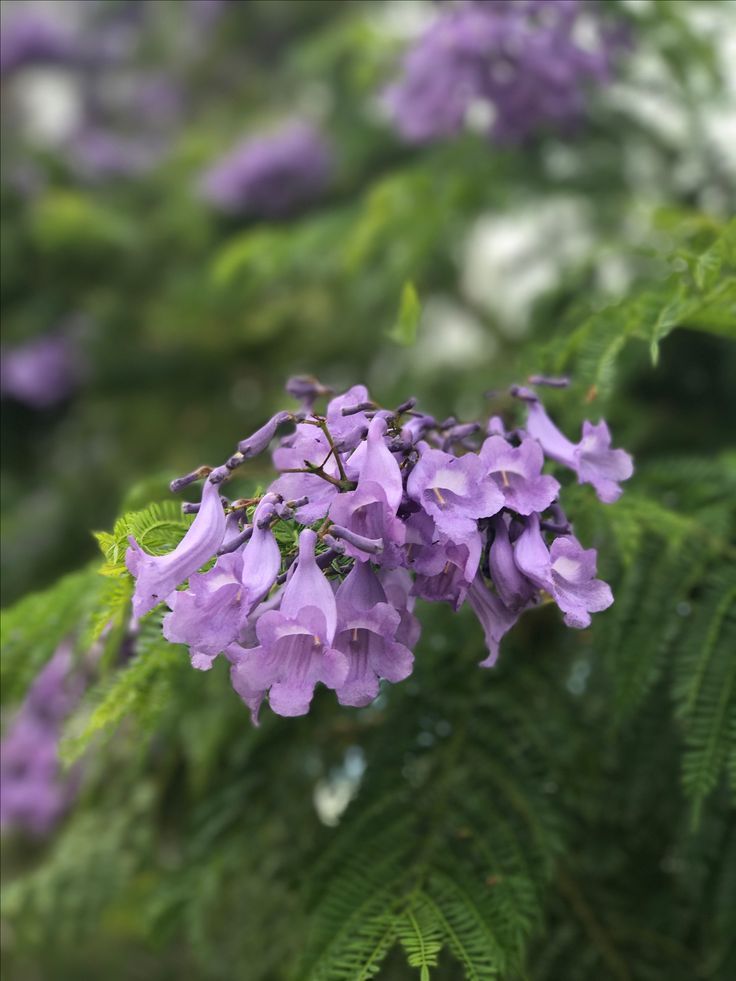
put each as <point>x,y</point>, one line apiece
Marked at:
<point>511,259</point>
<point>49,105</point>
<point>450,337</point>
<point>333,793</point>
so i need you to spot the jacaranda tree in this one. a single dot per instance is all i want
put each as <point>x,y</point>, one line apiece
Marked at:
<point>426,665</point>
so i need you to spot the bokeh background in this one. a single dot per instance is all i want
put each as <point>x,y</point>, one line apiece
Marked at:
<point>146,328</point>
<point>201,198</point>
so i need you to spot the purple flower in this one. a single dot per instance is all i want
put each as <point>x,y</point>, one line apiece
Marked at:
<point>404,519</point>
<point>566,571</point>
<point>295,651</point>
<point>370,510</point>
<point>366,634</point>
<point>308,444</point>
<point>592,459</point>
<point>515,590</point>
<point>258,441</point>
<point>519,60</point>
<point>517,471</point>
<point>33,792</point>
<point>28,37</point>
<point>397,585</point>
<point>495,618</point>
<point>444,568</point>
<point>212,612</point>
<point>42,372</point>
<point>271,176</point>
<point>158,575</point>
<point>348,430</point>
<point>306,389</point>
<point>454,490</point>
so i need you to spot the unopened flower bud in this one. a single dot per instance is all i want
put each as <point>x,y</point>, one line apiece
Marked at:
<point>561,382</point>
<point>526,394</point>
<point>370,545</point>
<point>180,482</point>
<point>352,410</point>
<point>259,440</point>
<point>218,475</point>
<point>307,389</point>
<point>234,543</point>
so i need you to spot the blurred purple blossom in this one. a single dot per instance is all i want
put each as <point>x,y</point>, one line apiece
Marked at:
<point>42,372</point>
<point>28,36</point>
<point>271,175</point>
<point>33,792</point>
<point>525,64</point>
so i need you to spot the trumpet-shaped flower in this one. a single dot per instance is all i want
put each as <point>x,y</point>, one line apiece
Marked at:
<point>366,634</point>
<point>454,490</point>
<point>295,643</point>
<point>592,459</point>
<point>370,510</point>
<point>517,472</point>
<point>494,616</point>
<point>212,612</point>
<point>566,571</point>
<point>158,575</point>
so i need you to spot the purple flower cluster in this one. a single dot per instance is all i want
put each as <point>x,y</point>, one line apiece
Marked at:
<point>271,176</point>
<point>28,36</point>
<point>42,372</point>
<point>315,580</point>
<point>520,61</point>
<point>33,793</point>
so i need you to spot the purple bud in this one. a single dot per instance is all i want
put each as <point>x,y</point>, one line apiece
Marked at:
<point>180,482</point>
<point>298,503</point>
<point>219,474</point>
<point>370,545</point>
<point>336,547</point>
<point>234,543</point>
<point>351,410</point>
<point>550,382</point>
<point>260,439</point>
<point>526,394</point>
<point>405,406</point>
<point>306,387</point>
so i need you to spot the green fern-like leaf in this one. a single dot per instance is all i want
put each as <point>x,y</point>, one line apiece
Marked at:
<point>158,529</point>
<point>34,627</point>
<point>705,687</point>
<point>136,689</point>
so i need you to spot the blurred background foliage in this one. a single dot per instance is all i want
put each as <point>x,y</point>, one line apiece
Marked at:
<point>447,271</point>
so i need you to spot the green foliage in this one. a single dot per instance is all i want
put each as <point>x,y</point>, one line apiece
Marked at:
<point>138,689</point>
<point>157,529</point>
<point>705,687</point>
<point>404,330</point>
<point>34,628</point>
<point>566,816</point>
<point>700,294</point>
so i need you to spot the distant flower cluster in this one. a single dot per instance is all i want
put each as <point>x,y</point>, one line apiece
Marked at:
<point>33,792</point>
<point>523,64</point>
<point>30,37</point>
<point>42,372</point>
<point>315,580</point>
<point>271,176</point>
